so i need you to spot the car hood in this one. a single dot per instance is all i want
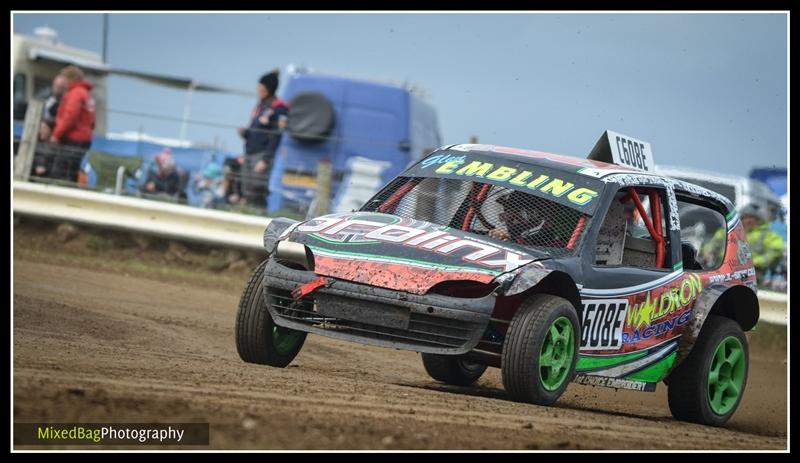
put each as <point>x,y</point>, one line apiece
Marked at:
<point>404,254</point>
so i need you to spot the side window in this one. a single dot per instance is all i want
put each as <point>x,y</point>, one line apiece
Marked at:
<point>20,101</point>
<point>703,234</point>
<point>610,240</point>
<point>625,237</point>
<point>19,88</point>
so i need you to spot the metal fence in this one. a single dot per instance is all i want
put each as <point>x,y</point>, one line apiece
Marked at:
<point>223,180</point>
<point>201,176</point>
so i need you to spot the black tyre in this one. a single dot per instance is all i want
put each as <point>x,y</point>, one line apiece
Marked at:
<point>452,369</point>
<point>258,338</point>
<point>708,385</point>
<point>541,350</point>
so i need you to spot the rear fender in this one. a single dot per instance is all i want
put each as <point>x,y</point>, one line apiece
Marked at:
<point>739,303</point>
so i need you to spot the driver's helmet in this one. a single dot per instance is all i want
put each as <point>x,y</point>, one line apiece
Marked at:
<point>521,216</point>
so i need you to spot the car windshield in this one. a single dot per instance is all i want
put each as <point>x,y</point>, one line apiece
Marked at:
<point>478,207</point>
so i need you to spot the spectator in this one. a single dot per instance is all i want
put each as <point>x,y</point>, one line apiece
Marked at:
<point>209,186</point>
<point>779,226</point>
<point>162,176</point>
<point>232,183</point>
<point>766,246</point>
<point>52,99</point>
<point>75,120</point>
<point>267,121</point>
<point>43,158</point>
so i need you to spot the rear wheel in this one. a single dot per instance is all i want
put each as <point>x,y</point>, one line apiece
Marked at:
<point>708,385</point>
<point>452,369</point>
<point>258,338</point>
<point>540,350</point>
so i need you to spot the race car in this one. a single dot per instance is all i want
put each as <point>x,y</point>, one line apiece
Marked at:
<point>552,268</point>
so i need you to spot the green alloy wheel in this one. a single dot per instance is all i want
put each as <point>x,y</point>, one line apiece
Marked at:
<point>258,338</point>
<point>540,350</point>
<point>726,376</point>
<point>285,340</point>
<point>708,385</point>
<point>557,354</point>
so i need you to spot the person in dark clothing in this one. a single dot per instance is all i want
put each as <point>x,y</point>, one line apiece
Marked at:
<point>163,176</point>
<point>52,98</point>
<point>44,157</point>
<point>232,184</point>
<point>267,121</point>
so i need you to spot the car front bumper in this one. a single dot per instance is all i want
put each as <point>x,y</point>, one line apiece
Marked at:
<point>430,323</point>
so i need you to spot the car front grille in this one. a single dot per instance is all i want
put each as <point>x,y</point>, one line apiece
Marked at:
<point>385,324</point>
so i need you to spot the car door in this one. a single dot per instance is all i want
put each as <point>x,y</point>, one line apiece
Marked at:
<point>636,259</point>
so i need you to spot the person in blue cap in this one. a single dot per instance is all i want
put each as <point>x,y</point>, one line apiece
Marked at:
<point>209,186</point>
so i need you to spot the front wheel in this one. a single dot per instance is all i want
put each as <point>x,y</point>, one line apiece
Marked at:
<point>540,350</point>
<point>452,369</point>
<point>708,385</point>
<point>258,338</point>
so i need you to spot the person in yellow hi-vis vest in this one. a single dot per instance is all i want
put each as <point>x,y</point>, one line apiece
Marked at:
<point>766,245</point>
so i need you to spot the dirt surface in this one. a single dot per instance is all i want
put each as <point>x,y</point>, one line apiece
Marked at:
<point>113,345</point>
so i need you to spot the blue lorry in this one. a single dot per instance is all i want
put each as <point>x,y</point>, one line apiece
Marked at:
<point>369,132</point>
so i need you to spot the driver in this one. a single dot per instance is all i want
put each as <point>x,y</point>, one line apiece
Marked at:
<point>524,223</point>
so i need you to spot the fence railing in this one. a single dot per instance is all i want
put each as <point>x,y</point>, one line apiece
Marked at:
<point>230,183</point>
<point>140,215</point>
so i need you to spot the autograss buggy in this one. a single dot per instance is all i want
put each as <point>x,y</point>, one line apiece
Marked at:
<point>552,268</point>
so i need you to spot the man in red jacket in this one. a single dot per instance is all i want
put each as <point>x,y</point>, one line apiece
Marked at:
<point>74,124</point>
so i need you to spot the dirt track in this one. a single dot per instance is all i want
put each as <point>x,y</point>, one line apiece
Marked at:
<point>93,346</point>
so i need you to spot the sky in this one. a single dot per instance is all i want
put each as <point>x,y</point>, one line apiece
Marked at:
<point>707,91</point>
